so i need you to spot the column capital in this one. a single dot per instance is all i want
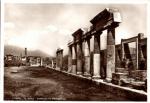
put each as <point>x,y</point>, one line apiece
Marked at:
<point>97,33</point>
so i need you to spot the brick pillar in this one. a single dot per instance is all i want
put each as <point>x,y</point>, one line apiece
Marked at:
<point>110,54</point>
<point>79,58</point>
<point>87,58</point>
<point>69,58</point>
<point>74,59</point>
<point>96,56</point>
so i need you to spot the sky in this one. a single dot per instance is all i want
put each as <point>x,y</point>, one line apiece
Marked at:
<point>47,27</point>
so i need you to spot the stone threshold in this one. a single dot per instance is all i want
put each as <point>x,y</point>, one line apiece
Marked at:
<point>132,94</point>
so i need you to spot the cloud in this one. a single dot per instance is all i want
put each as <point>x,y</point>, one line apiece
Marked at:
<point>49,26</point>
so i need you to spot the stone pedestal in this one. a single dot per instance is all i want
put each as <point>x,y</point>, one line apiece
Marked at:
<point>110,54</point>
<point>96,57</point>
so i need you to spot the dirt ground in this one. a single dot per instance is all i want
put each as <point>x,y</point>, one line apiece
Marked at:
<point>37,83</point>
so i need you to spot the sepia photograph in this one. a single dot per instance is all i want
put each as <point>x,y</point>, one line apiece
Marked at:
<point>75,52</point>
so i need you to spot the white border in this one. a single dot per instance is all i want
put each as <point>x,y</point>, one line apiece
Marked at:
<point>73,2</point>
<point>76,1</point>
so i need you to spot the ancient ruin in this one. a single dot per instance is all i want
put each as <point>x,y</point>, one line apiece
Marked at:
<point>116,64</point>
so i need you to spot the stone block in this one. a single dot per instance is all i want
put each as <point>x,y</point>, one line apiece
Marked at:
<point>140,75</point>
<point>121,70</point>
<point>118,76</point>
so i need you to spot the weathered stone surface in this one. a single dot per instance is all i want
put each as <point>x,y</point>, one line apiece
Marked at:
<point>74,60</point>
<point>111,36</point>
<point>110,53</point>
<point>79,67</point>
<point>110,61</point>
<point>96,66</point>
<point>79,59</point>
<point>59,59</point>
<point>139,75</point>
<point>87,66</point>
<point>74,67</point>
<point>87,58</point>
<point>121,70</point>
<point>118,78</point>
<point>96,44</point>
<point>69,59</point>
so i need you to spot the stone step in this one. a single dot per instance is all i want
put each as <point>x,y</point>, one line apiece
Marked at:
<point>118,77</point>
<point>121,70</point>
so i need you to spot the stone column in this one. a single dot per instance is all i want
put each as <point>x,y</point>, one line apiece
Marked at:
<point>52,64</point>
<point>87,58</point>
<point>74,59</point>
<point>83,57</point>
<point>96,56</point>
<point>41,62</point>
<point>57,60</point>
<point>79,58</point>
<point>61,60</point>
<point>139,50</point>
<point>110,54</point>
<point>69,58</point>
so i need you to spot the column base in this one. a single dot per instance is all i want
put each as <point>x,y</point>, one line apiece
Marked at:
<point>96,77</point>
<point>58,68</point>
<point>87,74</point>
<point>79,73</point>
<point>108,80</point>
<point>69,69</point>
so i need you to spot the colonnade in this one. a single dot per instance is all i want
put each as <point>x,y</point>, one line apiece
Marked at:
<point>79,54</point>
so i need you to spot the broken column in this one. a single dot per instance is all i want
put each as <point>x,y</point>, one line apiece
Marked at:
<point>110,53</point>
<point>96,56</point>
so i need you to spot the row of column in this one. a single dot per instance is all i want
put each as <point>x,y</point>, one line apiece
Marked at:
<point>79,59</point>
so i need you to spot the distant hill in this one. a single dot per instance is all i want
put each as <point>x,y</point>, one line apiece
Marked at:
<point>14,50</point>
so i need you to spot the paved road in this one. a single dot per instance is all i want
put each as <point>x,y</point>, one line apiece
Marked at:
<point>36,83</point>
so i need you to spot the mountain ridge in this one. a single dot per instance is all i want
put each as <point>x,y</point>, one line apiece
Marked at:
<point>17,51</point>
